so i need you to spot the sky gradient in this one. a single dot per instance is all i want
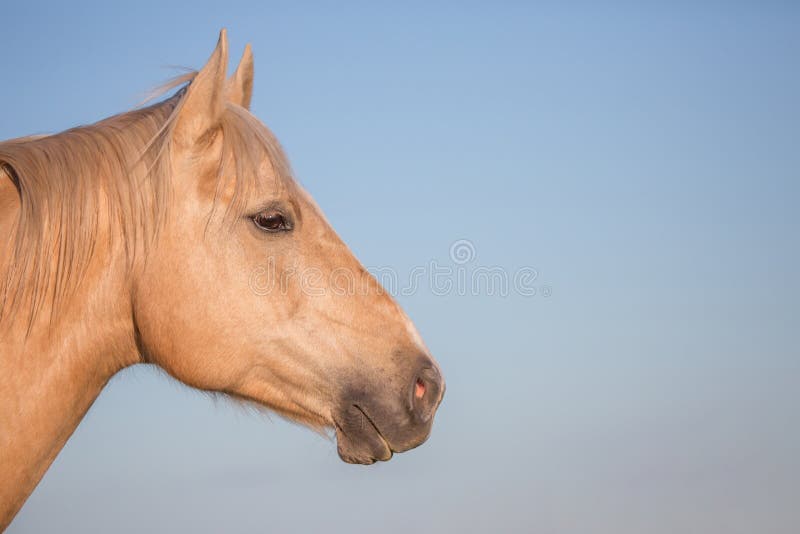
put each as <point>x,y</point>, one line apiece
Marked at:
<point>644,161</point>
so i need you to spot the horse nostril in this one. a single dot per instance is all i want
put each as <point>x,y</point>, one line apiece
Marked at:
<point>426,393</point>
<point>419,389</point>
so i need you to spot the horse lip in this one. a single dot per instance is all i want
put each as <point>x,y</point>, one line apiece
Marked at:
<point>370,459</point>
<point>377,430</point>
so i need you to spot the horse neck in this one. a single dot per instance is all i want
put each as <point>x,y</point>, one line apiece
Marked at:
<point>53,372</point>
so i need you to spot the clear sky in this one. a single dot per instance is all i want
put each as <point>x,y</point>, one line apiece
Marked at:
<point>644,160</point>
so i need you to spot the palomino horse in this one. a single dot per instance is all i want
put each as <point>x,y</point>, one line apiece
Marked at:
<point>135,240</point>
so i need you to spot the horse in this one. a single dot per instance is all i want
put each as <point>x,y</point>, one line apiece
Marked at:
<point>144,239</point>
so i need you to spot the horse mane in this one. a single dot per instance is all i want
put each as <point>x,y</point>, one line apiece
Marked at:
<point>120,164</point>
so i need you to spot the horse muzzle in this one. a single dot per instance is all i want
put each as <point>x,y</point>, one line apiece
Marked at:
<point>373,423</point>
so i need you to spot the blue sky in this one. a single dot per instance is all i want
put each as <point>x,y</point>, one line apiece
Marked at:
<point>644,160</point>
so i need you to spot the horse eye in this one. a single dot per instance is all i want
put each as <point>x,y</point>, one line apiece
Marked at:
<point>270,221</point>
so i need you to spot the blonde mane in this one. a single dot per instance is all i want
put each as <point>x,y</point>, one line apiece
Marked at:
<point>121,162</point>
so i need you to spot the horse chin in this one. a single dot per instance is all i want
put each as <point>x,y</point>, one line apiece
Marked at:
<point>359,441</point>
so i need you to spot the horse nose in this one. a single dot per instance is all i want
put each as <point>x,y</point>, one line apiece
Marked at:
<point>427,390</point>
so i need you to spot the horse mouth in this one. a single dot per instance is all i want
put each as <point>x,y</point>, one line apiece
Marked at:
<point>359,440</point>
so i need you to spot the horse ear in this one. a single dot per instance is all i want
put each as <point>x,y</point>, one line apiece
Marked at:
<point>204,102</point>
<point>240,85</point>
